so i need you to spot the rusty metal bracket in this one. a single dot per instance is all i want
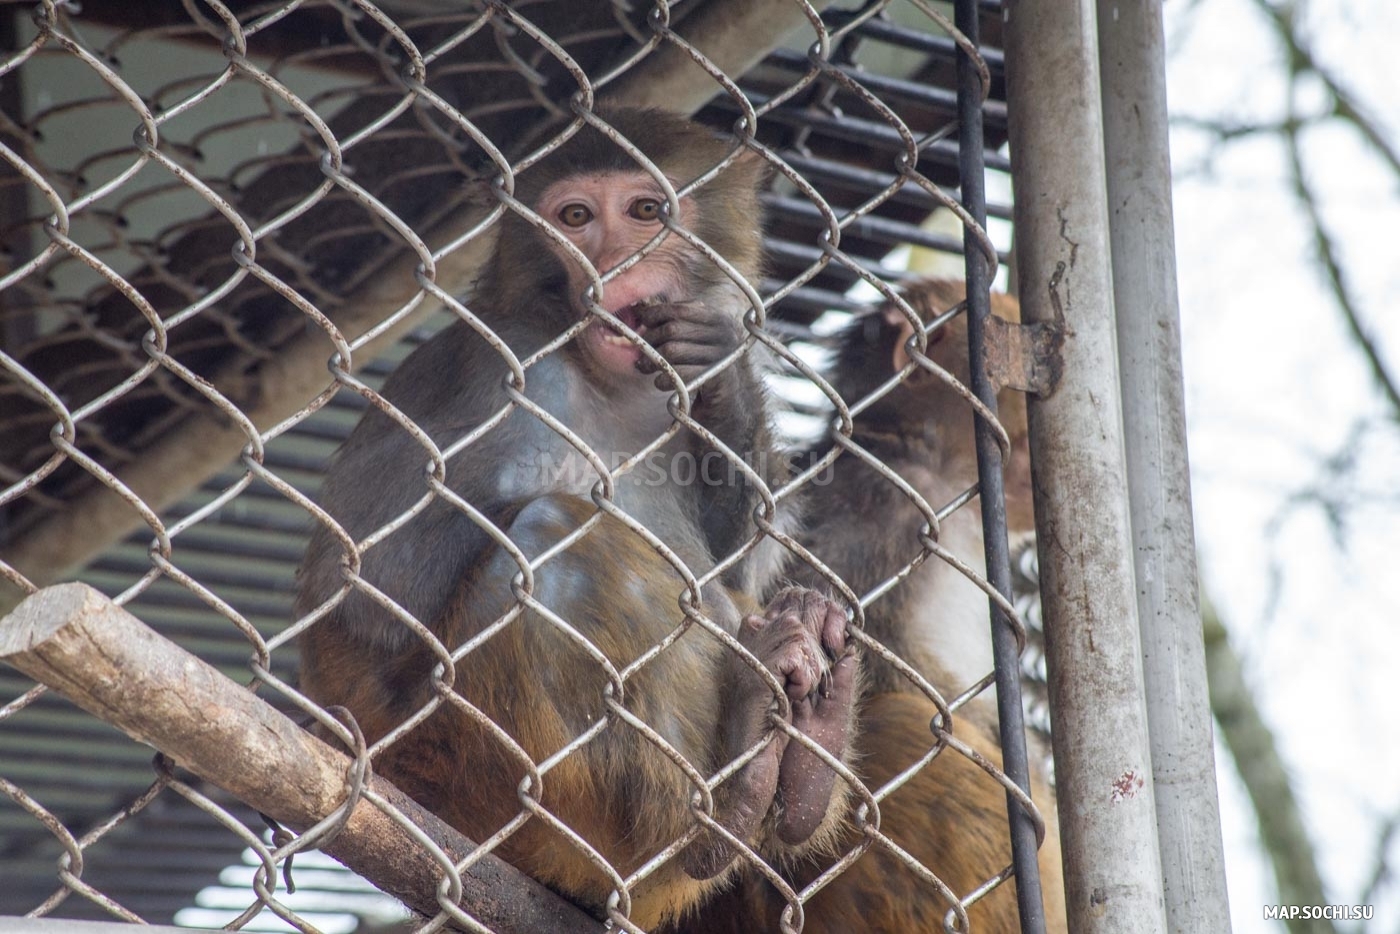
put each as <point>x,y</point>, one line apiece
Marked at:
<point>1023,356</point>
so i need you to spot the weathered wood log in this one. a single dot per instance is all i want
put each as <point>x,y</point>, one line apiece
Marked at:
<point>92,651</point>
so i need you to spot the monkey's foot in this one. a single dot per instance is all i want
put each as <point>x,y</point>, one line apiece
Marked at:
<point>822,710</point>
<point>801,639</point>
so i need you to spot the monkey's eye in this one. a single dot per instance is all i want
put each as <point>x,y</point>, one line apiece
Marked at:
<point>645,209</point>
<point>575,214</point>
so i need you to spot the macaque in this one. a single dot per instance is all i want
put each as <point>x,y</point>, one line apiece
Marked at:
<point>935,619</point>
<point>550,631</point>
<point>951,815</point>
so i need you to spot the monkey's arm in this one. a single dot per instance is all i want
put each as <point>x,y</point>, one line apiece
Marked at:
<point>733,406</point>
<point>447,387</point>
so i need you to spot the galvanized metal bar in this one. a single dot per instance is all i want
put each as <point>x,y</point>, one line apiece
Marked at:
<point>1138,164</point>
<point>1005,652</point>
<point>1103,768</point>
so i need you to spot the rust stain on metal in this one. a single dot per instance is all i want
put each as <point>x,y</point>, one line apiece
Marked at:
<point>1127,786</point>
<point>1025,357</point>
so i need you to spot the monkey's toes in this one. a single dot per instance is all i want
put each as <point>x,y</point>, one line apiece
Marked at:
<point>833,631</point>
<point>825,716</point>
<point>820,614</point>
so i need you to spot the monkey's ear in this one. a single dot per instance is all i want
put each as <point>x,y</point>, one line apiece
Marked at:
<point>895,320</point>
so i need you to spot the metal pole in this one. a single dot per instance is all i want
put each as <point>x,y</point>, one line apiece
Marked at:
<point>1103,768</point>
<point>1133,74</point>
<point>1010,716</point>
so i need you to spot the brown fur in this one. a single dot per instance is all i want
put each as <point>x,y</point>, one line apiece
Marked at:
<point>456,769</point>
<point>951,817</point>
<point>866,529</point>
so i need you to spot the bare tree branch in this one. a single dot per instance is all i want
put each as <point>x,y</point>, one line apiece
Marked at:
<point>1382,872</point>
<point>89,649</point>
<point>1252,746</point>
<point>1336,277</point>
<point>1345,107</point>
<point>1301,62</point>
<point>1334,493</point>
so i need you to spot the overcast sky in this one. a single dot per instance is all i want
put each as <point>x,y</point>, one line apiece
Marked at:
<point>1274,387</point>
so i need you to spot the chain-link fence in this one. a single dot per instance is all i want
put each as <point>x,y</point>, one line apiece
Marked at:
<point>204,205</point>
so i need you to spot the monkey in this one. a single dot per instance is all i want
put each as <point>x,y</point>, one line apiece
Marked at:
<point>951,815</point>
<point>520,579</point>
<point>936,618</point>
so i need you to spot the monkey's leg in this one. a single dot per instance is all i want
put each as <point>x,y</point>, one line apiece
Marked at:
<point>545,687</point>
<point>800,638</point>
<point>951,816</point>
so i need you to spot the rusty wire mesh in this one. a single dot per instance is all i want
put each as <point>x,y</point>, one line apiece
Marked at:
<point>202,204</point>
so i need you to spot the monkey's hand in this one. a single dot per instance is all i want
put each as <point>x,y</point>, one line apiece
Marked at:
<point>732,405</point>
<point>800,638</point>
<point>692,335</point>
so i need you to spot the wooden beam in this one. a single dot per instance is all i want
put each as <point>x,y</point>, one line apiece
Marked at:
<point>93,652</point>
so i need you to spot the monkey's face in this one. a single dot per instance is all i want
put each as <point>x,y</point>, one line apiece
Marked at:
<point>609,217</point>
<point>923,407</point>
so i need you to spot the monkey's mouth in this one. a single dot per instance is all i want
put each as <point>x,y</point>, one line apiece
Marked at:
<point>611,347</point>
<point>630,316</point>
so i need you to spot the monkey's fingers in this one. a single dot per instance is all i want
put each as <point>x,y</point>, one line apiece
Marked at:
<point>697,352</point>
<point>659,311</point>
<point>691,321</point>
